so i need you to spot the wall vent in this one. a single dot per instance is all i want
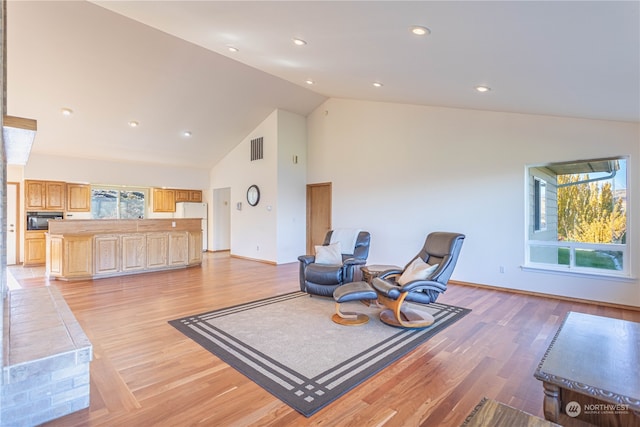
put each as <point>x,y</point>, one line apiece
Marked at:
<point>256,149</point>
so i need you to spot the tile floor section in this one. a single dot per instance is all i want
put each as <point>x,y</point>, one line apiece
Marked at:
<point>46,358</point>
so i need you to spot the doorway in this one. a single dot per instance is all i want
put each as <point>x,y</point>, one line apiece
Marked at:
<point>13,230</point>
<point>221,219</point>
<point>318,214</point>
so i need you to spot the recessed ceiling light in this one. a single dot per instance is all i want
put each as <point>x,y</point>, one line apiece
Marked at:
<point>233,49</point>
<point>187,133</point>
<point>483,89</point>
<point>66,111</point>
<point>134,124</point>
<point>419,30</point>
<point>377,84</point>
<point>309,82</point>
<point>299,42</point>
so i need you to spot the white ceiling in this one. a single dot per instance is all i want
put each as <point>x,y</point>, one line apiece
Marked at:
<point>564,58</point>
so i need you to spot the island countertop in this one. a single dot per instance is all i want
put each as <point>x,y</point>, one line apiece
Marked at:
<point>102,226</point>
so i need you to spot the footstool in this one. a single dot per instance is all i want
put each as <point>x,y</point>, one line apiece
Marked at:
<point>354,291</point>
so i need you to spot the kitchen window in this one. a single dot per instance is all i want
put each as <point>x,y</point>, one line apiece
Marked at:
<point>118,203</point>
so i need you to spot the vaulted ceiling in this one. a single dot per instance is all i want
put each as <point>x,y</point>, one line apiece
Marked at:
<point>167,65</point>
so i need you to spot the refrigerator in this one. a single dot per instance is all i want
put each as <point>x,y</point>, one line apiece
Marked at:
<point>194,210</point>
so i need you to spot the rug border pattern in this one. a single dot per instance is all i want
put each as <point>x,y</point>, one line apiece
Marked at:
<point>307,395</point>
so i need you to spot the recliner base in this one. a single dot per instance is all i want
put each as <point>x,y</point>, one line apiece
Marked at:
<point>410,319</point>
<point>349,319</point>
<point>402,317</point>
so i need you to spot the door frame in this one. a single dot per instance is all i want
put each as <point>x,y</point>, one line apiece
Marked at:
<point>311,218</point>
<point>17,225</point>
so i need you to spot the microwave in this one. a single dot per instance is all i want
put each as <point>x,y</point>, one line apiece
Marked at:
<point>40,220</point>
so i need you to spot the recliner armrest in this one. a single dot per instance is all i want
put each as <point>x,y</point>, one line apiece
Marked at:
<point>388,273</point>
<point>419,285</point>
<point>385,287</point>
<point>393,290</point>
<point>306,259</point>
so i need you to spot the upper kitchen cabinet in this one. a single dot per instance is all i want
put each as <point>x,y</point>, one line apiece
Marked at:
<point>44,195</point>
<point>189,196</point>
<point>78,198</point>
<point>164,200</point>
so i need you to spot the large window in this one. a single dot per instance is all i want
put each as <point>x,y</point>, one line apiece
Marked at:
<point>577,217</point>
<point>118,203</point>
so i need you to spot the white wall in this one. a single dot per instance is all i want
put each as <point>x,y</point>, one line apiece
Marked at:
<point>133,173</point>
<point>402,171</point>
<point>274,230</point>
<point>253,228</point>
<point>292,188</point>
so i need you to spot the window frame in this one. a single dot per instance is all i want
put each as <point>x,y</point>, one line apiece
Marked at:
<point>533,234</point>
<point>119,189</point>
<point>540,205</point>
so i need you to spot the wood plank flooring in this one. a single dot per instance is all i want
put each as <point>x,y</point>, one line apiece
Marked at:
<point>146,373</point>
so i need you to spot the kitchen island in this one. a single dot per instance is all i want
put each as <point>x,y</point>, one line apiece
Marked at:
<point>92,249</point>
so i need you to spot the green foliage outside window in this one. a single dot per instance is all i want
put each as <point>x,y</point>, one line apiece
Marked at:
<point>590,212</point>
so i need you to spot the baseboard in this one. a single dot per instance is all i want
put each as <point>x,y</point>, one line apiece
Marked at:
<point>544,295</point>
<point>253,259</point>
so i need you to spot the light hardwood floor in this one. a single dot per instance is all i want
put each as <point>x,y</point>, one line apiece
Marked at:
<point>146,373</point>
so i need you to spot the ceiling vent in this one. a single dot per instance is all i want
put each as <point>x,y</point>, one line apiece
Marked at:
<point>256,149</point>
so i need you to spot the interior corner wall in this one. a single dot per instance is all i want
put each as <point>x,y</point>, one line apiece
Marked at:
<point>292,186</point>
<point>401,171</point>
<point>269,231</point>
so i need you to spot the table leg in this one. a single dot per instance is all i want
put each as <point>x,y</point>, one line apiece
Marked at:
<point>551,402</point>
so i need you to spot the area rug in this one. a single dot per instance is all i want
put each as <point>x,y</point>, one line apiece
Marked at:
<point>290,346</point>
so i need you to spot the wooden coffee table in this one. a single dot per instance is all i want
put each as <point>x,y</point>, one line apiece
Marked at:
<point>591,371</point>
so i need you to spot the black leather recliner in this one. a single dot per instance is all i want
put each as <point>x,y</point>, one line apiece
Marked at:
<point>322,279</point>
<point>441,249</point>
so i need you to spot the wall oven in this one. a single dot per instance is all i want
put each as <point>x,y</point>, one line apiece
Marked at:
<point>40,220</point>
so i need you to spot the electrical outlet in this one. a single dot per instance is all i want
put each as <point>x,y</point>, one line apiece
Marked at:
<point>502,269</point>
<point>257,248</point>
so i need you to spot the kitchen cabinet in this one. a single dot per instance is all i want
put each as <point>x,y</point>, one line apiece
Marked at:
<point>134,252</point>
<point>182,195</point>
<point>178,248</point>
<point>34,195</point>
<point>92,249</point>
<point>157,246</point>
<point>54,256</point>
<point>44,195</point>
<point>195,248</point>
<point>164,200</point>
<point>35,248</point>
<point>107,256</point>
<point>78,198</point>
<point>70,256</point>
<point>77,256</point>
<point>189,196</point>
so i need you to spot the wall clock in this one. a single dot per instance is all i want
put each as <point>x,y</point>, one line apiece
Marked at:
<point>253,195</point>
